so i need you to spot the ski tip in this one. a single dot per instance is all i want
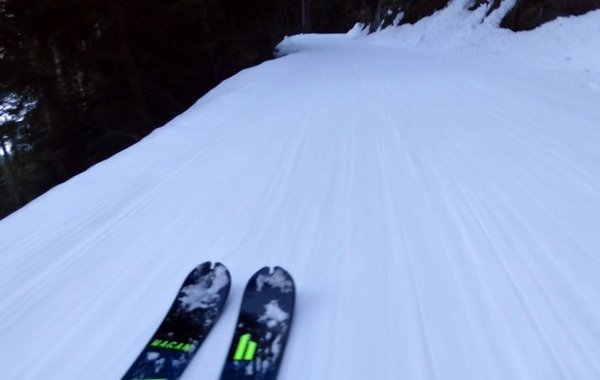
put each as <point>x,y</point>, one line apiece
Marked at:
<point>202,268</point>
<point>270,271</point>
<point>285,276</point>
<point>263,271</point>
<point>220,268</point>
<point>275,277</point>
<point>280,269</point>
<point>209,265</point>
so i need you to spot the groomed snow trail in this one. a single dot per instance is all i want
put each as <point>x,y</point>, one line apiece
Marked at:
<point>439,212</point>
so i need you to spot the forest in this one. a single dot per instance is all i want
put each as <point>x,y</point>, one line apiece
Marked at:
<point>81,80</point>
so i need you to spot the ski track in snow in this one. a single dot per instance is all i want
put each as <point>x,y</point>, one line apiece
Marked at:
<point>439,212</point>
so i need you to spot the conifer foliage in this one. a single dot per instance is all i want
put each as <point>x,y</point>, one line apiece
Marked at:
<point>81,80</point>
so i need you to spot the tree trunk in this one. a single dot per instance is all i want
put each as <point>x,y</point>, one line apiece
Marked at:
<point>10,173</point>
<point>129,65</point>
<point>377,17</point>
<point>304,15</point>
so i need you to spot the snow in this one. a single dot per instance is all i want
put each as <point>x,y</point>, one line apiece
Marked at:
<point>277,279</point>
<point>434,189</point>
<point>205,293</point>
<point>273,314</point>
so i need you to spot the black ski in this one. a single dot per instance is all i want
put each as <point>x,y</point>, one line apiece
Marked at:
<point>263,326</point>
<point>193,313</point>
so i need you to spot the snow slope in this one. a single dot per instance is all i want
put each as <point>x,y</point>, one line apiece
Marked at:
<point>437,203</point>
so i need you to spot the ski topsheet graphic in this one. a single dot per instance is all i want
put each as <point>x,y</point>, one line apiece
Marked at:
<point>193,313</point>
<point>263,326</point>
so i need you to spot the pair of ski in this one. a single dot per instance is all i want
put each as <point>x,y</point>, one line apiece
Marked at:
<point>260,335</point>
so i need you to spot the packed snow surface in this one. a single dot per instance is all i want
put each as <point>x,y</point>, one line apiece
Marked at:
<point>434,189</point>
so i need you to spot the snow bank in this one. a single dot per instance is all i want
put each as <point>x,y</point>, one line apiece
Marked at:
<point>565,43</point>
